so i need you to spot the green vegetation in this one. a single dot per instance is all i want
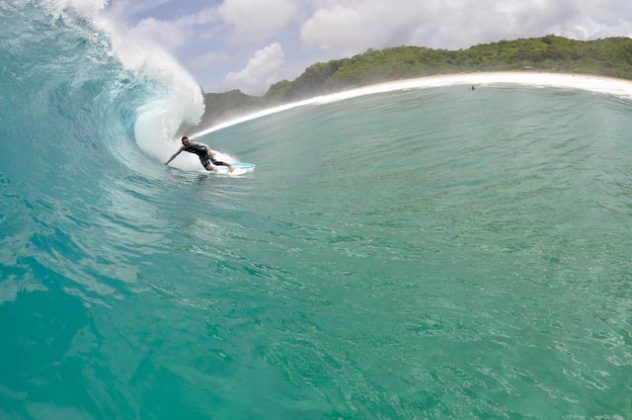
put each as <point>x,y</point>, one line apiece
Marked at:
<point>606,57</point>
<point>229,104</point>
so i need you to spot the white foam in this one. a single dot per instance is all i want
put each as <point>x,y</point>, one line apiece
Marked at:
<point>598,84</point>
<point>237,171</point>
<point>86,8</point>
<point>180,99</point>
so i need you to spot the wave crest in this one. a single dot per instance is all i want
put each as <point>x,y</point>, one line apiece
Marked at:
<point>171,95</point>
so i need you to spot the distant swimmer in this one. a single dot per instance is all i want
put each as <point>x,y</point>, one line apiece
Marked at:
<point>206,155</point>
<point>473,88</point>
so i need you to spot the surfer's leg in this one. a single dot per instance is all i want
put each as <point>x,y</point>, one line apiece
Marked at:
<point>206,163</point>
<point>219,163</point>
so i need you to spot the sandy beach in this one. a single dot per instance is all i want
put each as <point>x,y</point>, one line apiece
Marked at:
<point>585,82</point>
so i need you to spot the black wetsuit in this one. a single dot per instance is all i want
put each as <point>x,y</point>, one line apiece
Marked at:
<point>202,151</point>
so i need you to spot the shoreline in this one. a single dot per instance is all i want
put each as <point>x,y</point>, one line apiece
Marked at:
<point>572,81</point>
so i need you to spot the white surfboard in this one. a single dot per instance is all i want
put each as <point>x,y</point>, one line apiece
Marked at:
<point>241,168</point>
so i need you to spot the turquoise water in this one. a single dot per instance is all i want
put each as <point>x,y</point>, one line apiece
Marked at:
<point>428,253</point>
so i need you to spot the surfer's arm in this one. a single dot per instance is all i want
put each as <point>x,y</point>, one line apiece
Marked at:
<point>174,156</point>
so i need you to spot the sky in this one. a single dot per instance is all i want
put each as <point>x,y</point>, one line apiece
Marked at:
<point>250,44</point>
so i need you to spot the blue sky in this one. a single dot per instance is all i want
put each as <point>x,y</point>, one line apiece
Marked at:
<point>249,44</point>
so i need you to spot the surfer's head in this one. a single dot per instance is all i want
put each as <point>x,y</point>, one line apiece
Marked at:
<point>186,141</point>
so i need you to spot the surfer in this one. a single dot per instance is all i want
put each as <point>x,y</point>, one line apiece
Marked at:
<point>206,155</point>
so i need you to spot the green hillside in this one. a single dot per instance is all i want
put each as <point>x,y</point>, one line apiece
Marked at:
<point>607,57</point>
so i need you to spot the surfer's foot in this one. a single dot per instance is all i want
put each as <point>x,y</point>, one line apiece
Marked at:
<point>230,168</point>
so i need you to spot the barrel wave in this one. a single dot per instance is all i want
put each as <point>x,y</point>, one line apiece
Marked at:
<point>416,253</point>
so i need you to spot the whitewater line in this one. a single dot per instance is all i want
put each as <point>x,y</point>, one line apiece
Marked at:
<point>597,84</point>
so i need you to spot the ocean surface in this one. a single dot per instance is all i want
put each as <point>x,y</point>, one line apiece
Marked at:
<point>420,253</point>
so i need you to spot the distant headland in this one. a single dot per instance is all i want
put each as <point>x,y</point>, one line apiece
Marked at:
<point>610,57</point>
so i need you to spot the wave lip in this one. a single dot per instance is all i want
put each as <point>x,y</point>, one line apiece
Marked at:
<point>598,84</point>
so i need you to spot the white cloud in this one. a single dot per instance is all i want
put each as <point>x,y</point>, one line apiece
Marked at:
<point>210,59</point>
<point>167,34</point>
<point>205,16</point>
<point>256,20</point>
<point>345,27</point>
<point>260,72</point>
<point>170,34</point>
<point>134,7</point>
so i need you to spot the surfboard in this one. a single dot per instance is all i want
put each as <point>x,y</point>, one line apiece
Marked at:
<point>241,168</point>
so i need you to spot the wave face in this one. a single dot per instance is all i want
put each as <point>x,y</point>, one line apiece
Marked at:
<point>73,79</point>
<point>427,253</point>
